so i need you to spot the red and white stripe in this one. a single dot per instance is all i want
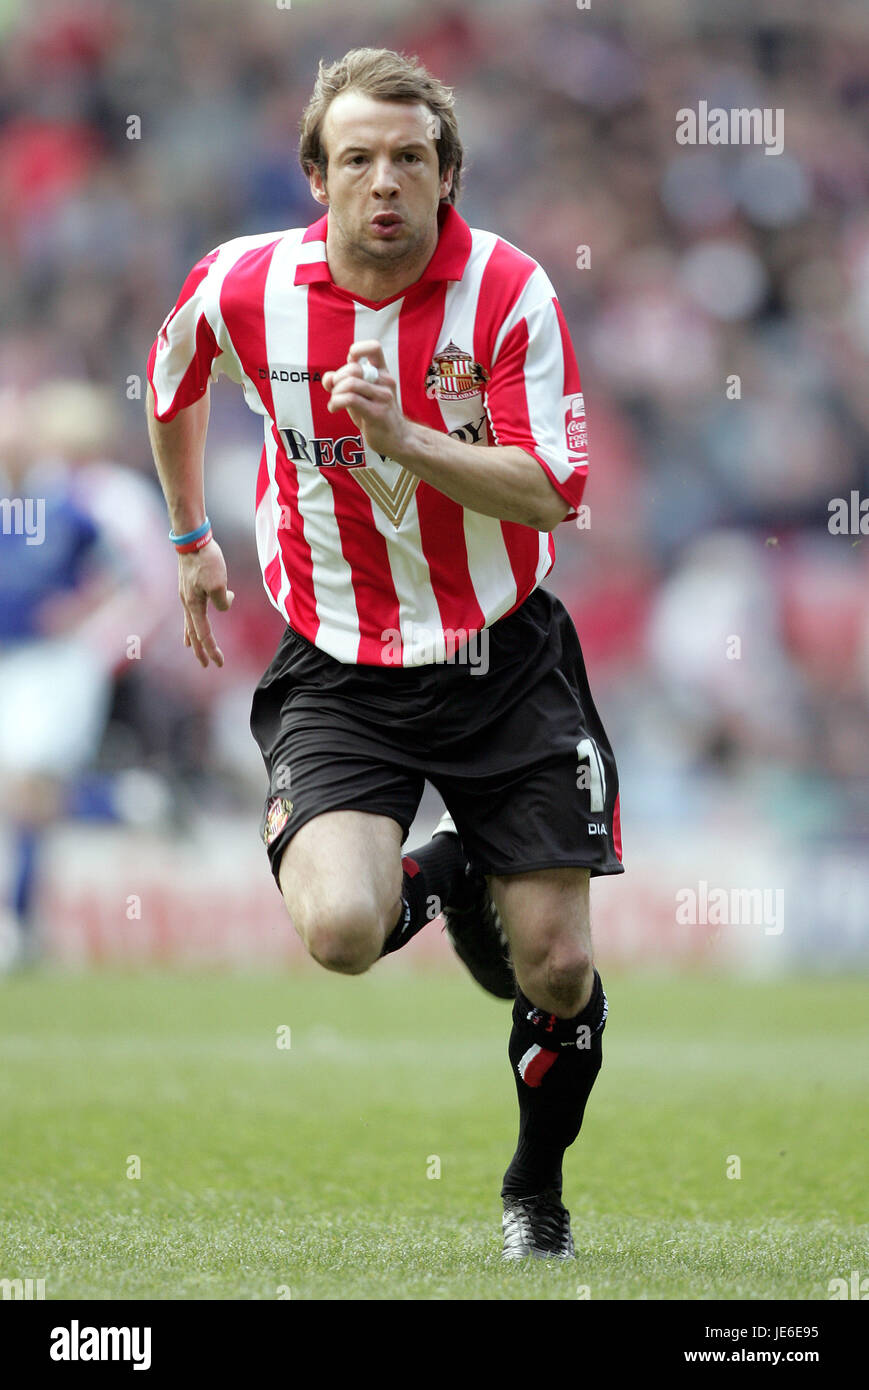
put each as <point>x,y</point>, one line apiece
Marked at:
<point>333,562</point>
<point>535,1063</point>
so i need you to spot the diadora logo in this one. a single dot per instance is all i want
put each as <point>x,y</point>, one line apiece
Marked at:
<point>286,374</point>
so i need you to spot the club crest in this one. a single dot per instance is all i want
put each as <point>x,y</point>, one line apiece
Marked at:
<point>277,814</point>
<point>454,375</point>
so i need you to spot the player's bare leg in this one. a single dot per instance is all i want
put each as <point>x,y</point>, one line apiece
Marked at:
<point>555,1046</point>
<point>341,879</point>
<point>545,915</point>
<point>351,895</point>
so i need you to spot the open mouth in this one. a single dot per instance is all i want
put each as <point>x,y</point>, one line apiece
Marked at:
<point>386,222</point>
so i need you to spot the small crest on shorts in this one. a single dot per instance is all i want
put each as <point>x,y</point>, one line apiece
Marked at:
<point>278,812</point>
<point>454,375</point>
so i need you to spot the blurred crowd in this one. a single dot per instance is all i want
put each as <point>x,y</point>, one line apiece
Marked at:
<point>718,300</point>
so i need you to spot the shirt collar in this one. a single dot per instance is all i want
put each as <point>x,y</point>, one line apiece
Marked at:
<point>448,262</point>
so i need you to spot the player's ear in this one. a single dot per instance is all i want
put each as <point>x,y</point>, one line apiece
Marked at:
<point>318,184</point>
<point>446,183</point>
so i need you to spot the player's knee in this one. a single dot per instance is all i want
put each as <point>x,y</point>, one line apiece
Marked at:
<point>568,968</point>
<point>348,940</point>
<point>558,973</point>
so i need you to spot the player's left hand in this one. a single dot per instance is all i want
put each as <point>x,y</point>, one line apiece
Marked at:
<point>372,405</point>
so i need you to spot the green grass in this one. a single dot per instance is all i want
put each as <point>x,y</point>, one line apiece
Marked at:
<point>306,1168</point>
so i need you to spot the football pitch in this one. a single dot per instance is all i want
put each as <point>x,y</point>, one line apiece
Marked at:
<point>308,1136</point>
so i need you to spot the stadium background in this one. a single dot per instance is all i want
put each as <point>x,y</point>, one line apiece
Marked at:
<point>157,1141</point>
<point>709,515</point>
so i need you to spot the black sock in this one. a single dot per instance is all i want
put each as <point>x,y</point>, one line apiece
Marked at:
<point>555,1063</point>
<point>432,877</point>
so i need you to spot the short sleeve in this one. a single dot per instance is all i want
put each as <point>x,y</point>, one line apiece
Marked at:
<point>182,358</point>
<point>534,399</point>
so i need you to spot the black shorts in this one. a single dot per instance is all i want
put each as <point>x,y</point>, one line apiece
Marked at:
<point>509,737</point>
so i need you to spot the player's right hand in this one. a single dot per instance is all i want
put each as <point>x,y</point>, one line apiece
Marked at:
<point>202,577</point>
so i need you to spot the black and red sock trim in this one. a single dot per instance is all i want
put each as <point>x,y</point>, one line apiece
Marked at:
<point>555,1064</point>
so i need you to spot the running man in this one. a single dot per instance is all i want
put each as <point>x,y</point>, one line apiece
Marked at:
<point>424,435</point>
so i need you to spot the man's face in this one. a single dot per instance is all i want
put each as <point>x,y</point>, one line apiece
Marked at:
<point>383,182</point>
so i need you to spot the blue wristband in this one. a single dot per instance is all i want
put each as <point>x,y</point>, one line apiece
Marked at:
<point>191,535</point>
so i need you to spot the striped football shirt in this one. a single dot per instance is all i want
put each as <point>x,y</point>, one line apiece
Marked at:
<point>361,557</point>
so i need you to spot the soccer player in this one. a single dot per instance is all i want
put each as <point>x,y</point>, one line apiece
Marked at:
<point>424,435</point>
<point>72,577</point>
